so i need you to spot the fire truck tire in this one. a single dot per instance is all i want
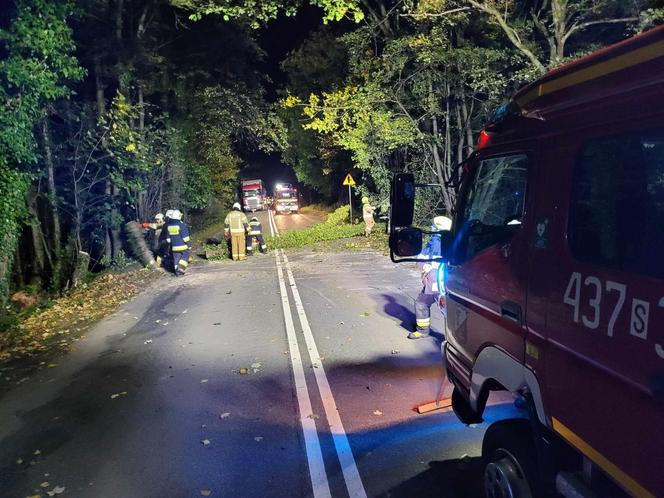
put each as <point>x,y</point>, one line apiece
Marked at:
<point>510,461</point>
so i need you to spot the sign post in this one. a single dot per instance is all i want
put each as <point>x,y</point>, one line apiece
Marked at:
<point>350,182</point>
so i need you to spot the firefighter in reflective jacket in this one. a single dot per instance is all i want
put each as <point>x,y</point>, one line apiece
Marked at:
<point>236,226</point>
<point>430,290</point>
<point>255,230</point>
<point>177,236</point>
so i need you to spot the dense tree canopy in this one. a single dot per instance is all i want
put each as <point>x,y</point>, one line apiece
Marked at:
<point>113,110</point>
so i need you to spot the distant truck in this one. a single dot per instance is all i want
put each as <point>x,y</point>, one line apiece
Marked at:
<point>553,279</point>
<point>285,199</point>
<point>253,195</point>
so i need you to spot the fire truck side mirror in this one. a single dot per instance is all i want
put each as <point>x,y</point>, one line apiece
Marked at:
<point>406,242</point>
<point>402,201</point>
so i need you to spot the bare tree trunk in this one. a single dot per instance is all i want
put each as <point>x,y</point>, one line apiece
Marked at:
<point>468,130</point>
<point>559,14</point>
<point>461,139</point>
<point>118,20</point>
<point>42,253</point>
<point>108,245</point>
<point>115,232</point>
<point>52,192</point>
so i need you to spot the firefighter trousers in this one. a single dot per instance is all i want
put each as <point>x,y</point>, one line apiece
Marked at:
<point>369,223</point>
<point>180,261</point>
<point>261,243</point>
<point>423,311</point>
<point>237,246</point>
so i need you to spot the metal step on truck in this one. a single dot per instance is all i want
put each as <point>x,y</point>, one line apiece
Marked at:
<point>553,278</point>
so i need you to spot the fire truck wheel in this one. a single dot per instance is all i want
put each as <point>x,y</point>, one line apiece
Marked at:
<point>509,456</point>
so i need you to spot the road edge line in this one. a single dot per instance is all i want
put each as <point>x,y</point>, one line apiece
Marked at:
<point>351,474</point>
<point>317,472</point>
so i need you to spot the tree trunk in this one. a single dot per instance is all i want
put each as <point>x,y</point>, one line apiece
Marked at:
<point>460,137</point>
<point>118,20</point>
<point>559,15</point>
<point>108,245</point>
<point>52,192</point>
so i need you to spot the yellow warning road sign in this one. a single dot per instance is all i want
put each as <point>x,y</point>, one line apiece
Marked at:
<point>348,180</point>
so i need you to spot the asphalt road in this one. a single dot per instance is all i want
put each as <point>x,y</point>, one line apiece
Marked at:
<point>258,378</point>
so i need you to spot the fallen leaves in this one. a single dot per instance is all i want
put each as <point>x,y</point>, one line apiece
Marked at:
<point>378,413</point>
<point>205,492</point>
<point>225,415</point>
<point>205,442</point>
<point>117,395</point>
<point>58,490</point>
<point>243,371</point>
<point>258,439</point>
<point>53,329</point>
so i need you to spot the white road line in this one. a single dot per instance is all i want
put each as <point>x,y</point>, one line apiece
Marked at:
<point>344,452</point>
<point>269,221</point>
<point>319,484</point>
<point>273,224</point>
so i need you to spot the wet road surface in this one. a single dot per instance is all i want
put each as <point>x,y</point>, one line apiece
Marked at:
<point>199,385</point>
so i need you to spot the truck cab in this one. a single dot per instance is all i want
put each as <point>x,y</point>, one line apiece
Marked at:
<point>254,195</point>
<point>286,199</point>
<point>554,281</point>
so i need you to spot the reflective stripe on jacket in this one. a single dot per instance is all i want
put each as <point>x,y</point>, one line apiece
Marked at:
<point>255,228</point>
<point>236,222</point>
<point>177,235</point>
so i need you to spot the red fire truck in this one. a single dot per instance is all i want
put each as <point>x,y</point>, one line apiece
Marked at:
<point>554,278</point>
<point>285,199</point>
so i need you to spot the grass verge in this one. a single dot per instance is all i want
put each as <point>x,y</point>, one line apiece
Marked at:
<point>334,234</point>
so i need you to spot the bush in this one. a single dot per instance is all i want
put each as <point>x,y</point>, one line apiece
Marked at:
<point>217,251</point>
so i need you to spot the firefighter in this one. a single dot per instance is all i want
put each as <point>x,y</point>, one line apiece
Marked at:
<point>177,237</point>
<point>236,226</point>
<point>162,249</point>
<point>255,230</point>
<point>430,290</point>
<point>367,216</point>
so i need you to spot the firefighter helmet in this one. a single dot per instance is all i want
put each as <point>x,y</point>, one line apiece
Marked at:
<point>159,216</point>
<point>237,206</point>
<point>442,223</point>
<point>176,215</point>
<point>169,213</point>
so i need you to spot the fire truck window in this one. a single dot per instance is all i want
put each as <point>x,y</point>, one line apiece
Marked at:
<point>494,204</point>
<point>617,211</point>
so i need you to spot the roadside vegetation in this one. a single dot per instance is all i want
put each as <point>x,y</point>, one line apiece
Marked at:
<point>335,229</point>
<point>32,337</point>
<point>114,110</point>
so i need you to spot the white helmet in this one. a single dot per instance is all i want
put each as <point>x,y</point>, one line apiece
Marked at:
<point>176,215</point>
<point>442,223</point>
<point>169,213</point>
<point>159,216</point>
<point>237,206</point>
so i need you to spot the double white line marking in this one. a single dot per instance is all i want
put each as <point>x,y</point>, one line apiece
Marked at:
<point>273,223</point>
<point>319,482</point>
